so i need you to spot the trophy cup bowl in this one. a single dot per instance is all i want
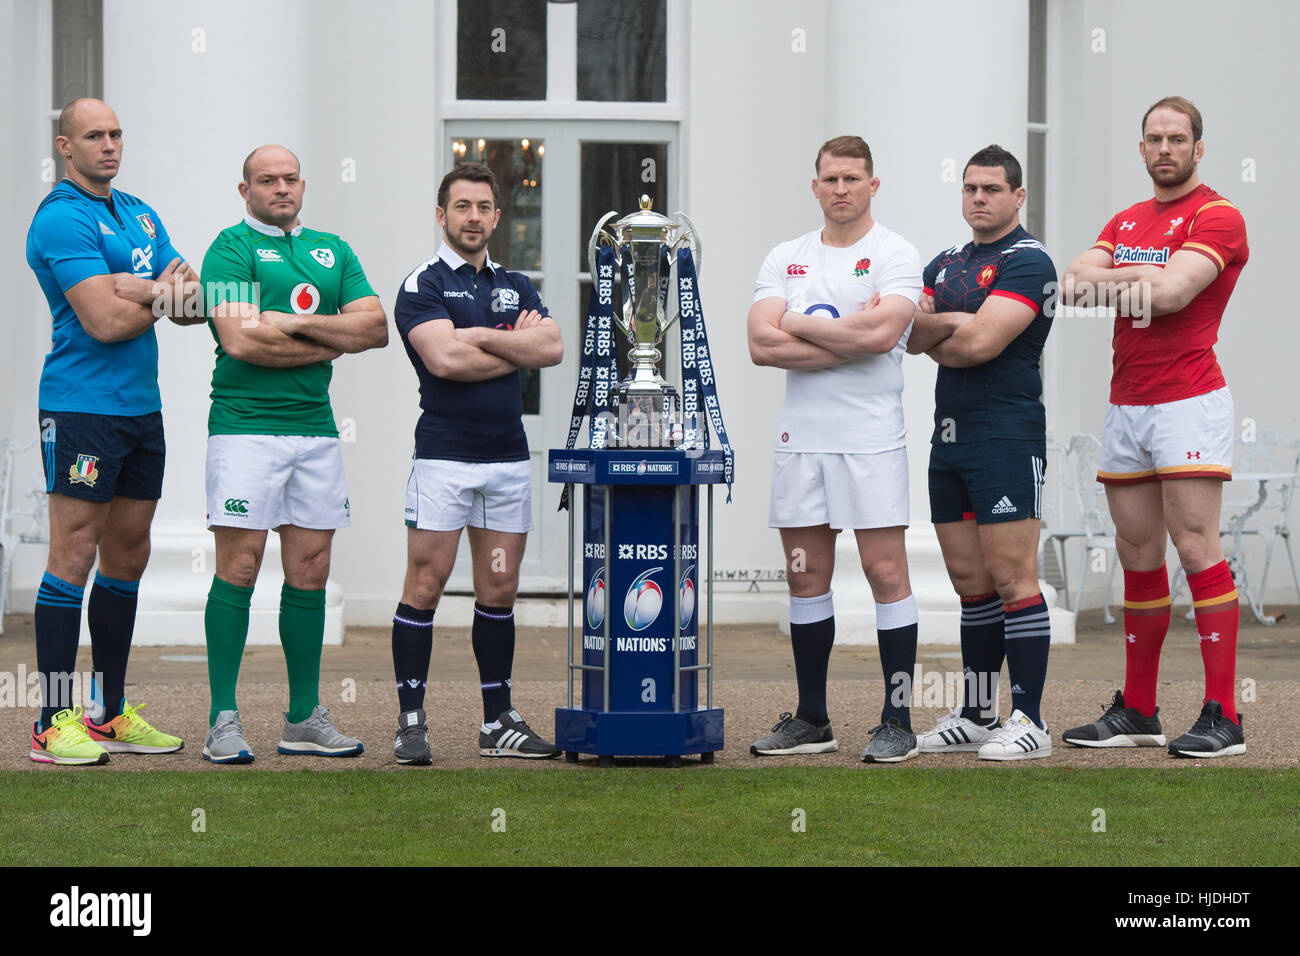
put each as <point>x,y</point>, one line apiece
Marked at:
<point>646,408</point>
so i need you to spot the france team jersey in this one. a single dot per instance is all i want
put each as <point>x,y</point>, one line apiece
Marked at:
<point>998,398</point>
<point>466,421</point>
<point>75,235</point>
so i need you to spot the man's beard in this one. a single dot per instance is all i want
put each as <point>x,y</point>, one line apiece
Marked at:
<point>1171,177</point>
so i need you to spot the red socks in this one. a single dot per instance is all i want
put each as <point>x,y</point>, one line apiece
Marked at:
<point>1214,597</point>
<point>1146,621</point>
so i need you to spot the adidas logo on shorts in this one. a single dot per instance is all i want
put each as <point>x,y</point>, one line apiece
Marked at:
<point>1004,507</point>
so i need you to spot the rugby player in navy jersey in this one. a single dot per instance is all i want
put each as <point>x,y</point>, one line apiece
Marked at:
<point>984,317</point>
<point>108,270</point>
<point>469,326</point>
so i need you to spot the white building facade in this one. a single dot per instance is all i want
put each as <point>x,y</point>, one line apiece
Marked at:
<point>717,108</point>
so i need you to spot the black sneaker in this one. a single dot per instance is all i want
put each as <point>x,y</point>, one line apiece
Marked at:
<point>794,735</point>
<point>1213,735</point>
<point>1119,726</point>
<point>514,738</point>
<point>412,743</point>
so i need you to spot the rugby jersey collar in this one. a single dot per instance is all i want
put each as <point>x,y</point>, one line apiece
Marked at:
<point>269,230</point>
<point>1015,235</point>
<point>454,261</point>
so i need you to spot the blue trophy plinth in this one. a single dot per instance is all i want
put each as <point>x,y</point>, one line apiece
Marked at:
<point>641,604</point>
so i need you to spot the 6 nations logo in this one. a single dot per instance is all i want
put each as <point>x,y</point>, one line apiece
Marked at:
<point>236,507</point>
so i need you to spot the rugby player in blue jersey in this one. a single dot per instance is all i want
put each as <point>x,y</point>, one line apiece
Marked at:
<point>984,317</point>
<point>107,267</point>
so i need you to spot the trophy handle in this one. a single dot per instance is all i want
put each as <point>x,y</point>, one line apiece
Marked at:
<point>597,235</point>
<point>691,236</point>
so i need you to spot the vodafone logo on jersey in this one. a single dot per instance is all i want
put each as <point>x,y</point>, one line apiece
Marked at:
<point>796,270</point>
<point>305,299</point>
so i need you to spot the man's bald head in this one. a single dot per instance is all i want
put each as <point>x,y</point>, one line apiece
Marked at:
<point>84,109</point>
<point>268,153</point>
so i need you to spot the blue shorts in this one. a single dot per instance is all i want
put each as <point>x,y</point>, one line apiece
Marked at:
<point>989,481</point>
<point>98,457</point>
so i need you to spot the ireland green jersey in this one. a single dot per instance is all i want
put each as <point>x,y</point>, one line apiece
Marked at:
<point>306,272</point>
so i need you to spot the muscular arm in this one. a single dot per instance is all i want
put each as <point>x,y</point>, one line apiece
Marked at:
<point>1174,287</point>
<point>534,342</point>
<point>448,357</point>
<point>985,335</point>
<point>246,336</point>
<point>768,345</point>
<point>176,292</point>
<point>359,325</point>
<point>104,315</point>
<point>873,331</point>
<point>929,328</point>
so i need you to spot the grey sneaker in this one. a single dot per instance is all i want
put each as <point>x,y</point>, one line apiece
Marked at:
<point>1213,735</point>
<point>317,737</point>
<point>891,742</point>
<point>514,738</point>
<point>1119,726</point>
<point>793,735</point>
<point>412,743</point>
<point>225,741</point>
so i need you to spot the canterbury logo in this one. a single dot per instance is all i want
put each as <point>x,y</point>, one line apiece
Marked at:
<point>796,270</point>
<point>236,506</point>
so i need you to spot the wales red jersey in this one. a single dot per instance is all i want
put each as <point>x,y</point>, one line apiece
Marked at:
<point>1173,358</point>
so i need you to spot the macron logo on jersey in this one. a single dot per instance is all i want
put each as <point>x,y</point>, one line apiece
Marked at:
<point>1143,254</point>
<point>452,294</point>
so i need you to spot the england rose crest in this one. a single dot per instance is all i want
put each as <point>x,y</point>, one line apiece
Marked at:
<point>862,268</point>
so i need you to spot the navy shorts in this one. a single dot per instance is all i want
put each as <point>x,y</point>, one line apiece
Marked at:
<point>989,481</point>
<point>97,457</point>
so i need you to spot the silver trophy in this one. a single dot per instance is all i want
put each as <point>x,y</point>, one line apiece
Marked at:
<point>647,410</point>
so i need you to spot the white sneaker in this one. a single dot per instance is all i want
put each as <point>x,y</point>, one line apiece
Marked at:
<point>1018,739</point>
<point>954,734</point>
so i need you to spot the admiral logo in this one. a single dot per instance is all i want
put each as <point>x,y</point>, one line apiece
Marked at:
<point>1144,254</point>
<point>324,256</point>
<point>269,255</point>
<point>796,270</point>
<point>504,300</point>
<point>642,468</point>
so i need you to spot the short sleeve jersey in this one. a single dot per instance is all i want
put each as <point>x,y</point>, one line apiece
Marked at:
<point>75,235</point>
<point>857,407</point>
<point>1173,358</point>
<point>999,398</point>
<point>466,421</point>
<point>303,271</point>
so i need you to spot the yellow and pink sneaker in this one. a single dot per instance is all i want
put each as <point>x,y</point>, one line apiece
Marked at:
<point>129,733</point>
<point>66,742</point>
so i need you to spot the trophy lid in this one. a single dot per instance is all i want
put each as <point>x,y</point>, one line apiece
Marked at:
<point>645,218</point>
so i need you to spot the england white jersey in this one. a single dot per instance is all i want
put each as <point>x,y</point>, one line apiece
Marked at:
<point>855,408</point>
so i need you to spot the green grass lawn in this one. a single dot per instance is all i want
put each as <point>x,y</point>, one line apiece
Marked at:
<point>650,816</point>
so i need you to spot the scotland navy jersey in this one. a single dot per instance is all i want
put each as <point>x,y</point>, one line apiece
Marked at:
<point>1000,398</point>
<point>466,421</point>
<point>75,235</point>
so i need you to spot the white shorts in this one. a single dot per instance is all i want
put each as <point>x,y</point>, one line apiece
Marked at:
<point>1189,438</point>
<point>264,481</point>
<point>843,491</point>
<point>446,495</point>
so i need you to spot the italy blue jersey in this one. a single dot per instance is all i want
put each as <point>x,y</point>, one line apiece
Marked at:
<point>75,235</point>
